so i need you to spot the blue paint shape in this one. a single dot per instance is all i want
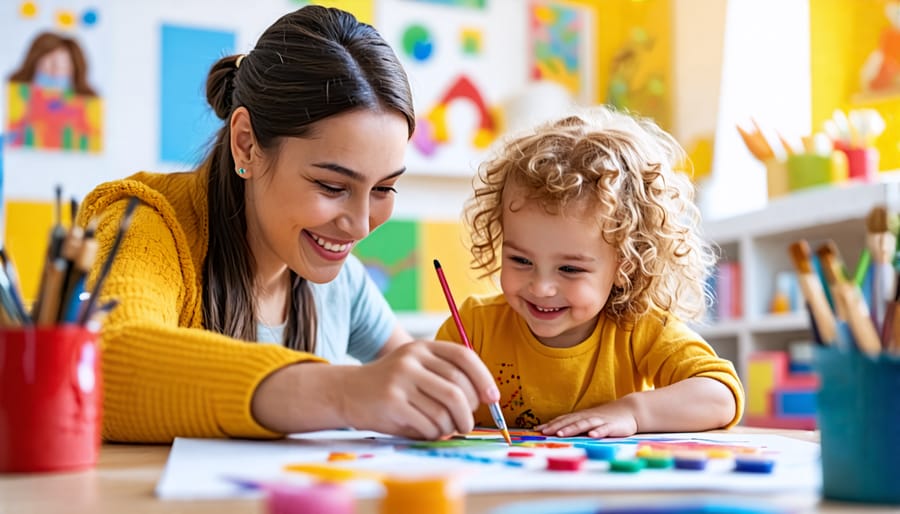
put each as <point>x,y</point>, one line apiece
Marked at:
<point>187,124</point>
<point>693,464</point>
<point>753,465</point>
<point>599,451</point>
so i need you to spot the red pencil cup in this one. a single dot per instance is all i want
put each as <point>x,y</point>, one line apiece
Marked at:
<point>862,162</point>
<point>50,399</point>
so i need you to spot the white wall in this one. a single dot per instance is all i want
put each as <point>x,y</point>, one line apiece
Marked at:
<point>765,75</point>
<point>697,36</point>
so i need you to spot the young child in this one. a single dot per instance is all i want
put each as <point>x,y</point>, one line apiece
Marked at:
<point>596,240</point>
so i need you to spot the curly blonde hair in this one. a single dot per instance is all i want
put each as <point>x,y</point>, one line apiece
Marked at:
<point>623,168</point>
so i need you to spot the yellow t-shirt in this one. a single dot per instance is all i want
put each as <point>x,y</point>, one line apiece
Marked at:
<point>538,383</point>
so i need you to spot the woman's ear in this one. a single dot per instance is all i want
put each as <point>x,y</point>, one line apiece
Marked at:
<point>243,141</point>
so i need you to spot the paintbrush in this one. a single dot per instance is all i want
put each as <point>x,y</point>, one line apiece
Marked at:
<point>813,292</point>
<point>496,412</point>
<point>57,236</point>
<point>849,297</point>
<point>881,243</point>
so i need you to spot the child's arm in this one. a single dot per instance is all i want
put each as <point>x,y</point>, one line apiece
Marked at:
<point>694,404</point>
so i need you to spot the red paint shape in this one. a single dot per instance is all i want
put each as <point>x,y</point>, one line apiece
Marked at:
<point>565,463</point>
<point>519,454</point>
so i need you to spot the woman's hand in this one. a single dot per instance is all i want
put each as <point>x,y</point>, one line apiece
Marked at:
<point>614,419</point>
<point>422,390</point>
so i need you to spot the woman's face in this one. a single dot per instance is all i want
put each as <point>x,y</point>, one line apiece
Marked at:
<point>312,199</point>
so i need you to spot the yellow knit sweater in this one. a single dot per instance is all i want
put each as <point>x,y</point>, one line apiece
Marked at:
<point>164,375</point>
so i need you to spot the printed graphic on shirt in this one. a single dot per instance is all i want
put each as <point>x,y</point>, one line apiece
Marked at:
<point>511,387</point>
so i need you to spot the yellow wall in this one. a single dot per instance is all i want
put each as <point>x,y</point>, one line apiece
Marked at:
<point>843,33</point>
<point>27,233</point>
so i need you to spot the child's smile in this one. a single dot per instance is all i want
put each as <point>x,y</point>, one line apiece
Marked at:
<point>557,270</point>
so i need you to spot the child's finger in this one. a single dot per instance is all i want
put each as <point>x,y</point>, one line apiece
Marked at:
<point>580,426</point>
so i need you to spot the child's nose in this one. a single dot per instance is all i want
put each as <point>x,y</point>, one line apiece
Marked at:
<point>542,287</point>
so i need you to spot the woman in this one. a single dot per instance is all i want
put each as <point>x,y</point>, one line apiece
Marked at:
<point>255,246</point>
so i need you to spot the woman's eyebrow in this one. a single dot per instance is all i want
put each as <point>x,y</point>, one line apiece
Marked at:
<point>354,175</point>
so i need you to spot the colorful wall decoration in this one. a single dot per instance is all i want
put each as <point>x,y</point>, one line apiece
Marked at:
<point>634,53</point>
<point>186,122</point>
<point>50,105</point>
<point>399,256</point>
<point>433,129</point>
<point>557,42</point>
<point>461,70</point>
<point>49,118</point>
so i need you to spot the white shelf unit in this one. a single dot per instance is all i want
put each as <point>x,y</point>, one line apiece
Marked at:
<point>759,241</point>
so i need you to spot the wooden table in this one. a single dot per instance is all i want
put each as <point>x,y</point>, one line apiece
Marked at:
<point>126,475</point>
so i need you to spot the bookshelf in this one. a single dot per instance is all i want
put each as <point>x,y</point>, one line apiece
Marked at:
<point>759,240</point>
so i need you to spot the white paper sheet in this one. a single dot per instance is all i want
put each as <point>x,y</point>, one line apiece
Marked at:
<point>207,468</point>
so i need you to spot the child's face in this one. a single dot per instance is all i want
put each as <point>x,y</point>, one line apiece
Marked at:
<point>557,271</point>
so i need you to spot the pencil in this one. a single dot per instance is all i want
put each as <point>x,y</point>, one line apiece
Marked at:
<point>496,412</point>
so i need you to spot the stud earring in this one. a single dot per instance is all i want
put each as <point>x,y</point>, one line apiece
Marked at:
<point>241,171</point>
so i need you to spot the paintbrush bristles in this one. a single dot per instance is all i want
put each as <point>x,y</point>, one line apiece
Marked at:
<point>830,258</point>
<point>877,220</point>
<point>801,255</point>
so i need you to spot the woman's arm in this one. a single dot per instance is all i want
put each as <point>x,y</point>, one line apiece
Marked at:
<point>421,390</point>
<point>161,378</point>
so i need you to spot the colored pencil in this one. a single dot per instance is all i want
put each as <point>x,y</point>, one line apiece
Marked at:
<point>496,412</point>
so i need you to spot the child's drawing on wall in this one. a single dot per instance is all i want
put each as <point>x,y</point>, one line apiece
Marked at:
<point>51,106</point>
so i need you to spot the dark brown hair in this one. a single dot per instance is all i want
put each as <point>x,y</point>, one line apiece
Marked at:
<point>311,64</point>
<point>45,43</point>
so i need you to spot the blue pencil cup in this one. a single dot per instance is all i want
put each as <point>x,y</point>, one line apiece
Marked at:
<point>859,421</point>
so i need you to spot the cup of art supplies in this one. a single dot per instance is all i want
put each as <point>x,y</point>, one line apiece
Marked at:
<point>50,398</point>
<point>806,170</point>
<point>776,178</point>
<point>859,421</point>
<point>862,161</point>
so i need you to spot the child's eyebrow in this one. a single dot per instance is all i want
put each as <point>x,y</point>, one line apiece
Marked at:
<point>577,257</point>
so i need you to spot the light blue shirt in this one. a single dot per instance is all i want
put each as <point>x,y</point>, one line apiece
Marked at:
<point>353,317</point>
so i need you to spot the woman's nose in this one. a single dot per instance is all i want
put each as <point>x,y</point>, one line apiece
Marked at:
<point>354,221</point>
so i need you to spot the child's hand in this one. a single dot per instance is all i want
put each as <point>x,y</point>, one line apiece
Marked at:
<point>615,419</point>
